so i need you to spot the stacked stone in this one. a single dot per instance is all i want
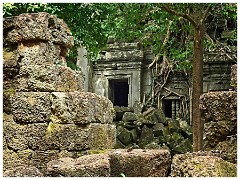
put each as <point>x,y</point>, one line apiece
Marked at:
<point>152,130</point>
<point>46,116</point>
<point>114,163</point>
<point>219,111</point>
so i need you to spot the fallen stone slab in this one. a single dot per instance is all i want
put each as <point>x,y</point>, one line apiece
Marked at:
<point>139,162</point>
<point>23,171</point>
<point>201,164</point>
<point>96,165</point>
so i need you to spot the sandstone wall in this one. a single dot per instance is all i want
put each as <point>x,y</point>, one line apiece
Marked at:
<point>219,113</point>
<point>46,116</point>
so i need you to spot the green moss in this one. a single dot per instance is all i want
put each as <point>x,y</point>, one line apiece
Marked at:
<point>7,55</point>
<point>97,151</point>
<point>227,169</point>
<point>10,91</point>
<point>52,128</point>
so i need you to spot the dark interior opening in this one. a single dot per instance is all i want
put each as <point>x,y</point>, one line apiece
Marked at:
<point>167,104</point>
<point>118,92</point>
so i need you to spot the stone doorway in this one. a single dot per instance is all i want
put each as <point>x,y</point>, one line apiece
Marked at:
<point>172,108</point>
<point>118,92</point>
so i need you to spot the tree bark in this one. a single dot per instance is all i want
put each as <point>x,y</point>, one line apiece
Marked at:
<point>197,87</point>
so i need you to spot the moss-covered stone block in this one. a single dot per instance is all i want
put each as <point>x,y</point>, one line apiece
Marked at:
<point>201,164</point>
<point>102,136</point>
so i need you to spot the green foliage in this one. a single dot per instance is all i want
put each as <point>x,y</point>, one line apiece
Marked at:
<point>92,23</point>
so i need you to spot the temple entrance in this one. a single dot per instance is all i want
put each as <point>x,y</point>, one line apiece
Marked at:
<point>172,108</point>
<point>118,92</point>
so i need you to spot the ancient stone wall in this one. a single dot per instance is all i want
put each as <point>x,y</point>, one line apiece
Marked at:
<point>219,112</point>
<point>46,116</point>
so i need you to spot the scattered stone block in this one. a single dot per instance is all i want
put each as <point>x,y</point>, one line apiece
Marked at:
<point>139,163</point>
<point>124,135</point>
<point>23,171</point>
<point>96,165</point>
<point>202,164</point>
<point>146,136</point>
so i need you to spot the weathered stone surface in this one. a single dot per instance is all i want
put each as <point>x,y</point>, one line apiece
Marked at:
<point>40,159</point>
<point>122,46</point>
<point>158,129</point>
<point>12,159</point>
<point>202,164</point>
<point>39,137</point>
<point>124,135</point>
<point>219,106</point>
<point>41,26</point>
<point>45,78</point>
<point>95,165</point>
<point>146,136</point>
<point>152,116</point>
<point>31,107</point>
<point>15,134</point>
<point>81,108</point>
<point>23,171</point>
<point>120,111</point>
<point>215,132</point>
<point>234,76</point>
<point>185,129</point>
<point>10,62</point>
<point>140,163</point>
<point>129,116</point>
<point>123,55</point>
<point>228,148</point>
<point>102,136</point>
<point>173,125</point>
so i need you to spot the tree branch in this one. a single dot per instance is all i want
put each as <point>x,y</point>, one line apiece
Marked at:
<point>185,16</point>
<point>205,14</point>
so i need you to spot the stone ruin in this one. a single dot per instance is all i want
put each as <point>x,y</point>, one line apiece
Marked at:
<point>52,128</point>
<point>46,114</point>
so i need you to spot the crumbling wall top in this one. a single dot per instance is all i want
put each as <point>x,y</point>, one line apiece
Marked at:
<point>36,26</point>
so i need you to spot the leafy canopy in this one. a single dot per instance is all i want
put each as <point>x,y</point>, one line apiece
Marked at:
<point>93,23</point>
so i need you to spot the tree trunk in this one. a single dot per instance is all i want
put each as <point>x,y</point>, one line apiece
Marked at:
<point>197,87</point>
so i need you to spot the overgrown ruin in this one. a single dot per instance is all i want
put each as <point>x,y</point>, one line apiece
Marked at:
<point>53,127</point>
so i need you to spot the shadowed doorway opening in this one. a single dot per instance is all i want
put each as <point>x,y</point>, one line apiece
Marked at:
<point>118,92</point>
